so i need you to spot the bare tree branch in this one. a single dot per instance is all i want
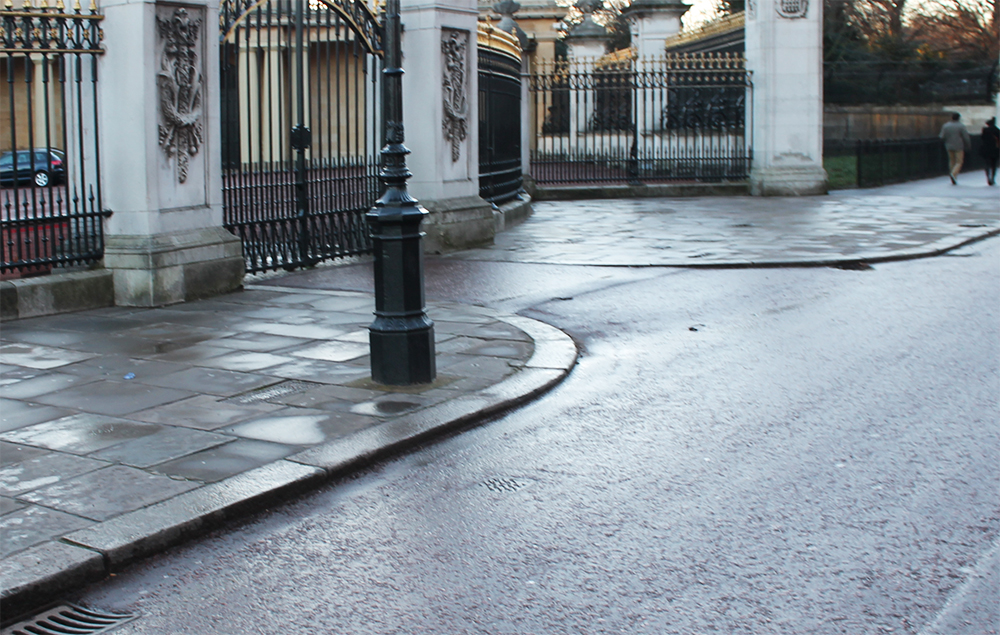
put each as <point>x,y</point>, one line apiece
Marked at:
<point>959,29</point>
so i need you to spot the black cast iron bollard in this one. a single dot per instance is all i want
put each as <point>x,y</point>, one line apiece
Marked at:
<point>402,336</point>
<point>633,161</point>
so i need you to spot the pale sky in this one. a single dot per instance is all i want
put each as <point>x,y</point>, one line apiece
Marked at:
<point>700,11</point>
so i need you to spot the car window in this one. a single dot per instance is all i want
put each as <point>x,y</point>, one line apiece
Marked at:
<point>23,158</point>
<point>40,156</point>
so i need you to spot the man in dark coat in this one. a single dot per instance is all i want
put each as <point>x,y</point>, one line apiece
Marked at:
<point>990,149</point>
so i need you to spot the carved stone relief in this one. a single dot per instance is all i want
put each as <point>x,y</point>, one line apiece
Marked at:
<point>792,9</point>
<point>454,49</point>
<point>179,82</point>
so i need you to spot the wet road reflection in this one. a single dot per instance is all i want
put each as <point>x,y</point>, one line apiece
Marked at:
<point>818,455</point>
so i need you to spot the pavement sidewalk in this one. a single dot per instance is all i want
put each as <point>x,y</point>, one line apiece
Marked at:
<point>848,227</point>
<point>124,431</point>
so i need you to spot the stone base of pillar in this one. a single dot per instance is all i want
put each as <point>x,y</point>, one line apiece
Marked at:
<point>62,292</point>
<point>457,223</point>
<point>513,213</point>
<point>797,180</point>
<point>169,268</point>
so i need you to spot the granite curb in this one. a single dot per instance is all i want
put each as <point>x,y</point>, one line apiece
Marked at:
<point>937,249</point>
<point>41,573</point>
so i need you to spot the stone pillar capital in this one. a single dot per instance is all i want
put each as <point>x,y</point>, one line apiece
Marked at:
<point>651,22</point>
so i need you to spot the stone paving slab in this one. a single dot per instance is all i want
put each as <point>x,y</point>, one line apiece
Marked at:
<point>128,430</point>
<point>742,231</point>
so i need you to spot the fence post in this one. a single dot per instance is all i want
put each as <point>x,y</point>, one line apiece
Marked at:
<point>633,154</point>
<point>301,139</point>
<point>880,148</point>
<point>857,163</point>
<point>159,126</point>
<point>651,22</point>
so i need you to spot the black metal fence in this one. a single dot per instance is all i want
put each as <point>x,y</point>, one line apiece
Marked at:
<point>875,162</point>
<point>50,201</point>
<point>300,163</point>
<point>500,176</point>
<point>679,118</point>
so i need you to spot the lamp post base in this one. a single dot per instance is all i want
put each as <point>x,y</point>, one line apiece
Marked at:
<point>402,354</point>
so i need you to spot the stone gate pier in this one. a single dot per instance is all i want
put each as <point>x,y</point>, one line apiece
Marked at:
<point>160,132</point>
<point>784,52</point>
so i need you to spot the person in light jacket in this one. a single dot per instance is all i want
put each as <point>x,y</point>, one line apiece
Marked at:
<point>956,142</point>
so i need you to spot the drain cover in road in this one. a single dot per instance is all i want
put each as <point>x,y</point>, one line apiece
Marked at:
<point>66,619</point>
<point>505,485</point>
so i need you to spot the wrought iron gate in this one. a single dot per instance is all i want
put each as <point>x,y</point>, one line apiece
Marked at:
<point>301,102</point>
<point>679,118</point>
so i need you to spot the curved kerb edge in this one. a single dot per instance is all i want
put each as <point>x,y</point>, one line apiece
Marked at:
<point>42,573</point>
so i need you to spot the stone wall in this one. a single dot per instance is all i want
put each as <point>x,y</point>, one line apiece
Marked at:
<point>882,122</point>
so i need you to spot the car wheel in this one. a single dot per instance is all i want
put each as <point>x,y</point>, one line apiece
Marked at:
<point>41,179</point>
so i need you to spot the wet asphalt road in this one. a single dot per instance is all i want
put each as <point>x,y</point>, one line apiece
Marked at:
<point>738,451</point>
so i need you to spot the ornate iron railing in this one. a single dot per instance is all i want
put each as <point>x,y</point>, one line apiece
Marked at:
<point>50,202</point>
<point>677,118</point>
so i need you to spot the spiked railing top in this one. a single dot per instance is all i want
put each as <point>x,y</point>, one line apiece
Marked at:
<point>626,61</point>
<point>490,37</point>
<point>722,25</point>
<point>25,28</point>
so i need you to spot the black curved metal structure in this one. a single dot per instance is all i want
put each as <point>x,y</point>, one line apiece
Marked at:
<point>301,133</point>
<point>500,177</point>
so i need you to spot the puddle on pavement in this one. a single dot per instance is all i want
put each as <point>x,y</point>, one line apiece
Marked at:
<point>294,430</point>
<point>385,408</point>
<point>80,433</point>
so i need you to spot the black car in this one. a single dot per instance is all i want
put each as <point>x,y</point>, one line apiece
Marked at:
<point>49,166</point>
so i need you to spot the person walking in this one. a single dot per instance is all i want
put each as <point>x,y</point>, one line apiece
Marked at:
<point>990,149</point>
<point>956,142</point>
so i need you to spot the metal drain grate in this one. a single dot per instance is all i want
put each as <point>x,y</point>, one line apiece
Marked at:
<point>67,619</point>
<point>282,389</point>
<point>505,485</point>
